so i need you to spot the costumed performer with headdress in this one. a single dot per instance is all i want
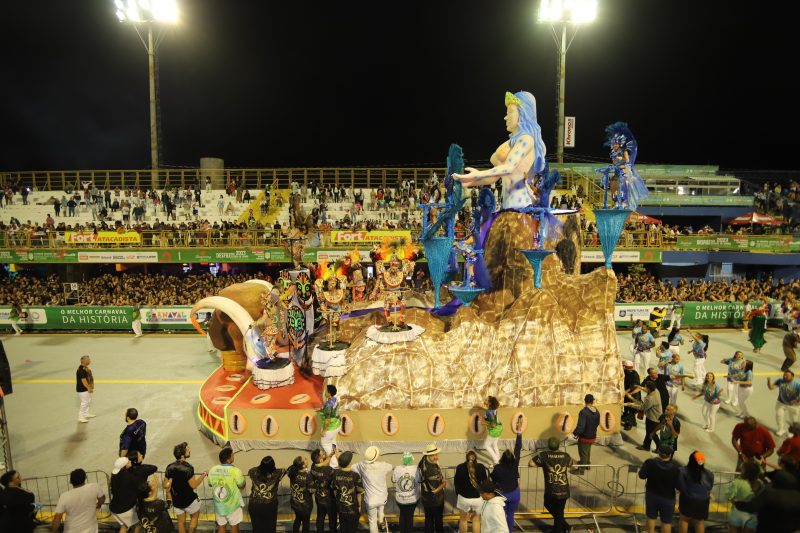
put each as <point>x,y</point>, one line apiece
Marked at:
<point>513,161</point>
<point>624,148</point>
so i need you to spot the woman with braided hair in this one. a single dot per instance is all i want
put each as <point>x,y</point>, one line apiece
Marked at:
<point>469,476</point>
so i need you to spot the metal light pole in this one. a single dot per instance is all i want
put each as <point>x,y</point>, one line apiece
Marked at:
<point>149,12</point>
<point>151,63</point>
<point>562,75</point>
<point>564,12</point>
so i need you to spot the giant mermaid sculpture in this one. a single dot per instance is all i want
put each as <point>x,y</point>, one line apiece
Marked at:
<point>512,228</point>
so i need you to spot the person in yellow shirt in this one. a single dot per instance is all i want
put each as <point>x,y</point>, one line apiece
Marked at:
<point>656,317</point>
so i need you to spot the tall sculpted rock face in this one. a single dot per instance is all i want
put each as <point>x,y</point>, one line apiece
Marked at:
<point>528,347</point>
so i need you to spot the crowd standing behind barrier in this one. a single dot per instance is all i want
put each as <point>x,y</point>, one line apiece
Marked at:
<point>599,491</point>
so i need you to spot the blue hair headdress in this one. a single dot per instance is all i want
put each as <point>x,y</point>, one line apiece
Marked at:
<point>528,125</point>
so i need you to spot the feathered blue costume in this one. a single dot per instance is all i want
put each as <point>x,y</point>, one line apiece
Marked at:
<point>624,148</point>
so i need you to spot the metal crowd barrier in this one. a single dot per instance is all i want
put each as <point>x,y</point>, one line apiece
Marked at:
<point>48,489</point>
<point>631,499</point>
<point>595,491</point>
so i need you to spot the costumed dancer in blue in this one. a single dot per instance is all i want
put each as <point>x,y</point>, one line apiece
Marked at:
<point>632,189</point>
<point>505,232</point>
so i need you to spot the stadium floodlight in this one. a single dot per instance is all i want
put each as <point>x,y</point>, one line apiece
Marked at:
<point>147,10</point>
<point>149,13</point>
<point>564,12</point>
<point>572,11</point>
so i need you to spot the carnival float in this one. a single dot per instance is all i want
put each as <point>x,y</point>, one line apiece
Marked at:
<point>511,317</point>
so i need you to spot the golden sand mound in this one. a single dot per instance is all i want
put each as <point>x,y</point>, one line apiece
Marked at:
<point>527,347</point>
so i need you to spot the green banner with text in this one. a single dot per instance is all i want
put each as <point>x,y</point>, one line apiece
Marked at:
<point>740,243</point>
<point>718,314</point>
<point>89,318</point>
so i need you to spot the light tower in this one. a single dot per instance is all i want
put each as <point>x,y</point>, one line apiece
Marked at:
<point>145,15</point>
<point>564,13</point>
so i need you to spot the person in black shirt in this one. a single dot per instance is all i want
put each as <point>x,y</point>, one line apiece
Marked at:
<point>321,474</point>
<point>153,511</point>
<point>134,437</point>
<point>263,505</point>
<point>179,485</point>
<point>506,476</point>
<point>17,505</point>
<point>469,476</point>
<point>555,465</point>
<point>660,381</point>
<point>586,430</point>
<point>84,386</point>
<point>348,490</point>
<point>631,384</point>
<point>661,474</point>
<point>432,485</point>
<point>300,500</point>
<point>125,484</point>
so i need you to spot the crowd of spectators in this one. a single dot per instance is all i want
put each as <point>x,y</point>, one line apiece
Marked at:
<point>129,288</point>
<point>120,288</point>
<point>645,287</point>
<point>780,199</point>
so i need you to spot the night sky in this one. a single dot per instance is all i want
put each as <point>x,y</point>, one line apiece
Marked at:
<point>355,83</point>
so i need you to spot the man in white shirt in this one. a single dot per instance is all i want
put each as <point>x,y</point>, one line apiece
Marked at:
<point>376,492</point>
<point>80,504</point>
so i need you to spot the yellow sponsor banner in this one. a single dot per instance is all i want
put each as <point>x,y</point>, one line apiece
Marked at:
<point>370,236</point>
<point>102,237</point>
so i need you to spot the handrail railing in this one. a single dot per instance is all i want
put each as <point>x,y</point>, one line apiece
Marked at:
<point>259,178</point>
<point>321,238</point>
<point>250,178</point>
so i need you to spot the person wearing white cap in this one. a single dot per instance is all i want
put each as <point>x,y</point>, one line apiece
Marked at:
<point>406,491</point>
<point>124,489</point>
<point>376,493</point>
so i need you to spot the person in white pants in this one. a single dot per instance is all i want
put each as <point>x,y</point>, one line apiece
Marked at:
<point>711,393</point>
<point>674,370</point>
<point>735,364</point>
<point>676,315</point>
<point>494,428</point>
<point>331,422</point>
<point>84,385</point>
<point>787,408</point>
<point>745,382</point>
<point>643,344</point>
<point>699,348</point>
<point>376,492</point>
<point>14,316</point>
<point>136,323</point>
